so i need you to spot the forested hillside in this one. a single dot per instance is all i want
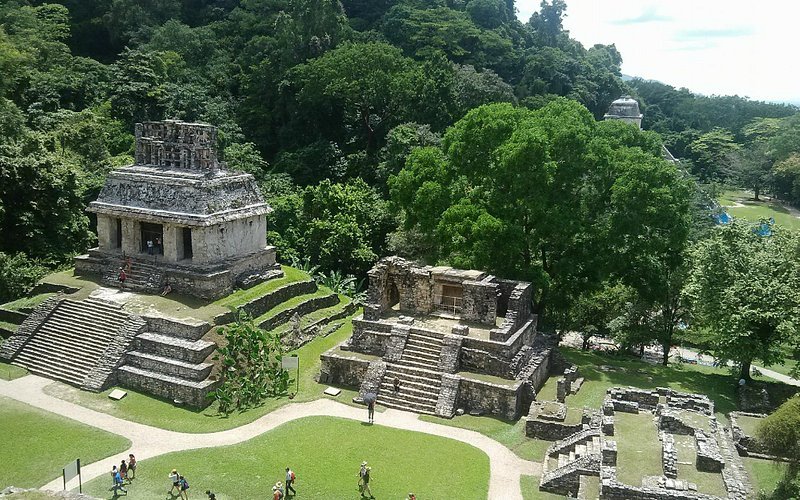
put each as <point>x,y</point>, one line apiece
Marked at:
<point>359,120</point>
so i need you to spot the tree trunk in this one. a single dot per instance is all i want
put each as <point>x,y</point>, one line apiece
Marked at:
<point>745,374</point>
<point>586,342</point>
<point>665,347</point>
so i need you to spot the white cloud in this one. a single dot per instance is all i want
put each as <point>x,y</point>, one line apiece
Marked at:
<point>709,46</point>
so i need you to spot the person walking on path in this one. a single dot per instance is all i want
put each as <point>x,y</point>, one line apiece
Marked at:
<point>290,482</point>
<point>277,494</point>
<point>371,411</point>
<point>175,479</point>
<point>361,473</point>
<point>184,488</point>
<point>131,467</point>
<point>366,478</point>
<point>118,484</point>
<point>123,470</point>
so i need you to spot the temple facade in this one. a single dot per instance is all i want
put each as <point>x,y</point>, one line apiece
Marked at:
<point>180,216</point>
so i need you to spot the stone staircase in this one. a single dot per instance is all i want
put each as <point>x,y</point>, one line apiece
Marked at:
<point>419,388</point>
<point>79,342</point>
<point>422,351</point>
<point>168,360</point>
<point>145,276</point>
<point>569,459</point>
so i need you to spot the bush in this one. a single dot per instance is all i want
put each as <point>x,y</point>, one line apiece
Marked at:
<point>18,274</point>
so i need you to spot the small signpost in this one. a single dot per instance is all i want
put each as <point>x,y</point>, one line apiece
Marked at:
<point>70,471</point>
<point>289,362</point>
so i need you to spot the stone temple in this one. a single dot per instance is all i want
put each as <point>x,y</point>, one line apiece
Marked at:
<point>180,217</point>
<point>176,217</point>
<point>625,109</point>
<point>443,341</point>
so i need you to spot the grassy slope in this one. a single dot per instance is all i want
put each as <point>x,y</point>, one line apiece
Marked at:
<point>28,302</point>
<point>530,489</point>
<point>240,297</point>
<point>159,413</point>
<point>44,442</point>
<point>326,468</point>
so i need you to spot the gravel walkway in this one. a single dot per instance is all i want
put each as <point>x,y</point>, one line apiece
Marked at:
<point>504,466</point>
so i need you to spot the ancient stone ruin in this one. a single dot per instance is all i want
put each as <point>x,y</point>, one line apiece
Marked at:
<point>685,425</point>
<point>177,216</point>
<point>442,341</point>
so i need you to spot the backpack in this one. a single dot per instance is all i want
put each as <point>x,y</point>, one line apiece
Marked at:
<point>185,484</point>
<point>291,474</point>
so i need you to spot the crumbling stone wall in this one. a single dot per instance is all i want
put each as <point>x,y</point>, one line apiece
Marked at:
<point>708,455</point>
<point>669,454</point>
<point>489,398</point>
<point>480,301</point>
<point>341,370</point>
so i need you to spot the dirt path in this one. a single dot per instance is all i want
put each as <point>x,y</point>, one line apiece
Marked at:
<point>505,468</point>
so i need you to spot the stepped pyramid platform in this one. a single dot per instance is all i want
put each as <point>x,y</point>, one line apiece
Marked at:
<point>80,342</point>
<point>438,340</point>
<point>95,336</point>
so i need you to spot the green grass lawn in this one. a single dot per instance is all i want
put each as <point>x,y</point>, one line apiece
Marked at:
<point>241,297</point>
<point>148,410</point>
<point>530,489</point>
<point>757,210</point>
<point>11,372</point>
<point>638,447</point>
<point>710,483</point>
<point>509,434</point>
<point>749,424</point>
<point>44,442</point>
<point>293,302</point>
<point>764,474</point>
<point>786,368</point>
<point>325,453</point>
<point>716,383</point>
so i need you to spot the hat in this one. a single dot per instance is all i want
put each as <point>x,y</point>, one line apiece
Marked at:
<point>278,484</point>
<point>364,463</point>
<point>274,488</point>
<point>369,468</point>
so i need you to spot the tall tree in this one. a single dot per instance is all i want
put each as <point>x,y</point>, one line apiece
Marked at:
<point>744,289</point>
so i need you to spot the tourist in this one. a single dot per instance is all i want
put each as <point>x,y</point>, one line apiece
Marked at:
<point>113,475</point>
<point>128,265</point>
<point>279,485</point>
<point>167,289</point>
<point>118,485</point>
<point>366,478</point>
<point>184,487</point>
<point>158,246</point>
<point>150,247</point>
<point>361,474</point>
<point>371,410</point>
<point>121,278</point>
<point>123,470</point>
<point>396,383</point>
<point>131,467</point>
<point>412,496</point>
<point>290,481</point>
<point>211,496</point>
<point>175,479</point>
<point>276,493</point>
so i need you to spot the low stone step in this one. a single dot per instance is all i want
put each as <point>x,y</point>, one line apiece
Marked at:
<point>399,404</point>
<point>409,387</point>
<point>580,450</point>
<point>88,328</point>
<point>424,342</point>
<point>422,400</point>
<point>92,304</point>
<point>51,372</point>
<point>193,393</point>
<point>424,377</point>
<point>417,363</point>
<point>70,360</point>
<point>191,351</point>
<point>415,383</point>
<point>417,372</point>
<point>412,355</point>
<point>168,366</point>
<point>46,345</point>
<point>417,353</point>
<point>55,332</point>
<point>94,310</point>
<point>433,351</point>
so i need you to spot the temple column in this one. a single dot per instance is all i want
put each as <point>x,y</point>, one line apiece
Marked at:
<point>106,232</point>
<point>171,244</point>
<point>131,237</point>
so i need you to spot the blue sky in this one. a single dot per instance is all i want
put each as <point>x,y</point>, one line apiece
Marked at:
<point>709,46</point>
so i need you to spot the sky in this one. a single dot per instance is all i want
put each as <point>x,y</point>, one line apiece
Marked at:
<point>723,47</point>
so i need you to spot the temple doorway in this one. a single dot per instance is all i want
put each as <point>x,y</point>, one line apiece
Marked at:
<point>152,238</point>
